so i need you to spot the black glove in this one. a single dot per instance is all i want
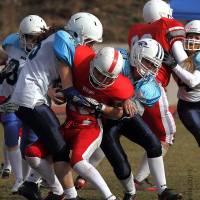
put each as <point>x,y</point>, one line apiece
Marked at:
<point>9,69</point>
<point>169,61</point>
<point>98,107</point>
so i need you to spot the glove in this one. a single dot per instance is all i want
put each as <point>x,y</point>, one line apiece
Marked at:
<point>8,107</point>
<point>9,69</point>
<point>98,107</point>
<point>169,61</point>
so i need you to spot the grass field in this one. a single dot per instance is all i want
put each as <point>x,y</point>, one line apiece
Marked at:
<point>182,165</point>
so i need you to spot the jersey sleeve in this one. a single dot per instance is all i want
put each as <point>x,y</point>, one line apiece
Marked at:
<point>64,47</point>
<point>175,31</point>
<point>11,40</point>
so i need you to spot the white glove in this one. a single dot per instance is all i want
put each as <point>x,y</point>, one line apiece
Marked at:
<point>8,107</point>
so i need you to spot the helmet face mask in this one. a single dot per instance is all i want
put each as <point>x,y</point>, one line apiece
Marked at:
<point>27,42</point>
<point>155,9</point>
<point>105,68</point>
<point>85,28</point>
<point>30,27</point>
<point>192,41</point>
<point>147,55</point>
<point>98,79</point>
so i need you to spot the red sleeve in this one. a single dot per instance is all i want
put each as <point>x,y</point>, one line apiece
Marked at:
<point>175,31</point>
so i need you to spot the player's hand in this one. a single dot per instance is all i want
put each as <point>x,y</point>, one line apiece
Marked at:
<point>56,96</point>
<point>169,61</point>
<point>129,107</point>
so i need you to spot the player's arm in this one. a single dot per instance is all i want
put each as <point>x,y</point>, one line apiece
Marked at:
<point>175,36</point>
<point>179,52</point>
<point>64,49</point>
<point>190,79</point>
<point>112,112</point>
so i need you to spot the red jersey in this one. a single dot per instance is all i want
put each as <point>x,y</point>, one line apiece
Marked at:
<point>166,32</point>
<point>120,90</point>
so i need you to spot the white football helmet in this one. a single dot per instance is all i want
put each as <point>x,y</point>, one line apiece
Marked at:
<point>85,28</point>
<point>29,27</point>
<point>149,50</point>
<point>105,67</point>
<point>191,43</point>
<point>155,9</point>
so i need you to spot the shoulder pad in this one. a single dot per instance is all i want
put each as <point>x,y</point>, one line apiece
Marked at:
<point>64,47</point>
<point>12,39</point>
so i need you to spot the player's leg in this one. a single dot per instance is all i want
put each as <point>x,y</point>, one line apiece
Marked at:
<point>189,114</point>
<point>37,157</point>
<point>45,124</point>
<point>30,187</point>
<point>11,126</point>
<point>143,136</point>
<point>6,169</point>
<point>115,154</point>
<point>94,160</point>
<point>160,120</point>
<point>86,140</point>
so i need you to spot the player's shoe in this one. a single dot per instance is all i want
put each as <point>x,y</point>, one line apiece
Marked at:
<point>168,194</point>
<point>5,173</point>
<point>128,196</point>
<point>52,196</point>
<point>145,185</point>
<point>30,190</point>
<point>80,183</point>
<point>16,186</point>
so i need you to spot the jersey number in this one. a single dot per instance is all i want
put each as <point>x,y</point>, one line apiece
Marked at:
<point>14,65</point>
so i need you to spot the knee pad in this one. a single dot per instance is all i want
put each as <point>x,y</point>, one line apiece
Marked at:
<point>62,155</point>
<point>154,152</point>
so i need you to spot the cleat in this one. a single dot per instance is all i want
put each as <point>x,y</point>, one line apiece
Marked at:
<point>52,196</point>
<point>145,185</point>
<point>16,186</point>
<point>80,183</point>
<point>30,190</point>
<point>128,196</point>
<point>167,194</point>
<point>5,173</point>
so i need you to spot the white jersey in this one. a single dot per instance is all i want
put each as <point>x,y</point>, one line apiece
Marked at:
<point>16,58</point>
<point>41,69</point>
<point>189,89</point>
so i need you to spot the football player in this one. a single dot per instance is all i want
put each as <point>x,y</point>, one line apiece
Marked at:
<point>16,46</point>
<point>96,77</point>
<point>146,55</point>
<point>169,33</point>
<point>51,58</point>
<point>189,80</point>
